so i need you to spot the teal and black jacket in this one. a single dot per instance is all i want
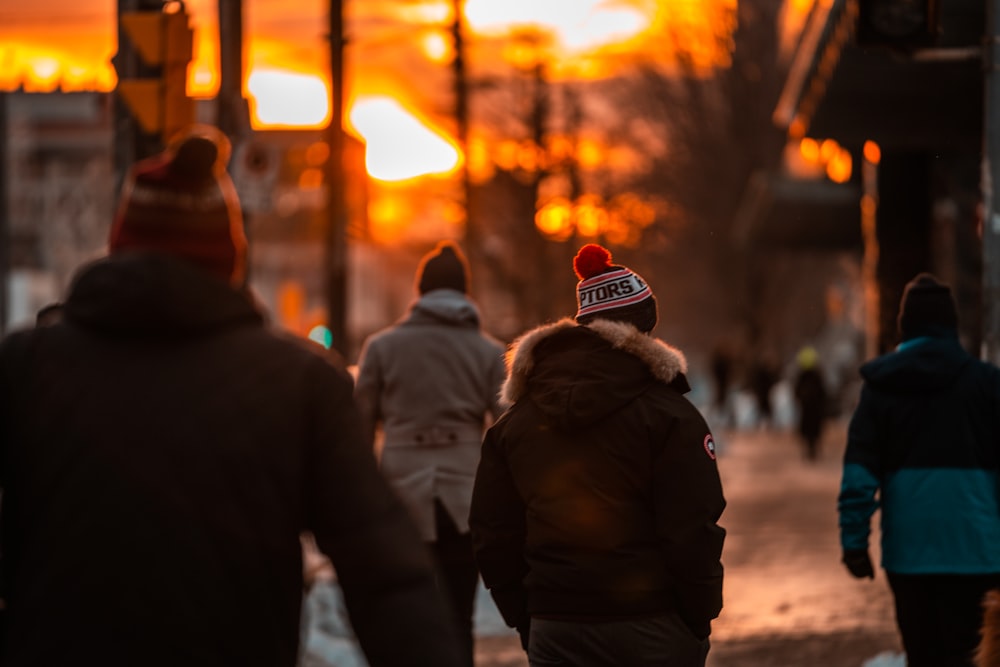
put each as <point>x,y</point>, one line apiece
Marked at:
<point>924,445</point>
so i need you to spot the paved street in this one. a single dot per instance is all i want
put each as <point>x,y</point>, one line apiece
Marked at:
<point>788,600</point>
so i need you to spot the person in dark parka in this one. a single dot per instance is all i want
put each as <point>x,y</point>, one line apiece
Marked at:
<point>596,504</point>
<point>922,447</point>
<point>763,376</point>
<point>162,451</point>
<point>811,397</point>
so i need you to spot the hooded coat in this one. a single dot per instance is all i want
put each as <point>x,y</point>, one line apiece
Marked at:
<point>598,495</point>
<point>922,445</point>
<point>161,451</point>
<point>431,382</point>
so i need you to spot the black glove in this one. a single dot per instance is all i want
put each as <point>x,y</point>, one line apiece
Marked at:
<point>858,563</point>
<point>701,631</point>
<point>524,630</point>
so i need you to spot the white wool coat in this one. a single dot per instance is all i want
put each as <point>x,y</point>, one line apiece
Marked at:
<point>430,384</point>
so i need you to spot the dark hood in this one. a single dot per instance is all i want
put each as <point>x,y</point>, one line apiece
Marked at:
<point>926,365</point>
<point>146,295</point>
<point>578,374</point>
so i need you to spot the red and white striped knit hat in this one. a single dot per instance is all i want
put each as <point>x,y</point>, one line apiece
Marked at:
<point>183,203</point>
<point>611,292</point>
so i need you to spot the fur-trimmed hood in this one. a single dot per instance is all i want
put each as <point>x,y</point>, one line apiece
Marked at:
<point>588,369</point>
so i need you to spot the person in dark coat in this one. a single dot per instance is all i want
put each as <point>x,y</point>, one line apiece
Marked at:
<point>162,451</point>
<point>811,397</point>
<point>597,499</point>
<point>721,365</point>
<point>430,383</point>
<point>922,446</point>
<point>763,376</point>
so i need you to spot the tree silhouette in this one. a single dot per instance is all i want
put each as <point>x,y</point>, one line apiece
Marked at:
<point>690,136</point>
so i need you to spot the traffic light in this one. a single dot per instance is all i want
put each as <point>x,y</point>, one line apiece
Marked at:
<point>164,40</point>
<point>898,24</point>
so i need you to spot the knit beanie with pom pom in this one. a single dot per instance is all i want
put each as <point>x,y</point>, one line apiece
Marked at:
<point>445,267</point>
<point>182,202</point>
<point>611,292</point>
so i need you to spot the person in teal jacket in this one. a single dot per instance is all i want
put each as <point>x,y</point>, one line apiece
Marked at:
<point>923,446</point>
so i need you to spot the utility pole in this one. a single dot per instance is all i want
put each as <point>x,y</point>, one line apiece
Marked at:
<point>232,115</point>
<point>991,186</point>
<point>870,257</point>
<point>336,203</point>
<point>131,142</point>
<point>5,258</point>
<point>461,87</point>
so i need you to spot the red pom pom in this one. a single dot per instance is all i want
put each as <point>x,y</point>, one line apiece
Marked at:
<point>592,260</point>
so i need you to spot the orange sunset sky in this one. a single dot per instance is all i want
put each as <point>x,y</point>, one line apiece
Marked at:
<point>68,44</point>
<point>397,57</point>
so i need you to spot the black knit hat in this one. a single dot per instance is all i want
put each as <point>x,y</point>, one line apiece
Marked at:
<point>926,309</point>
<point>611,292</point>
<point>444,267</point>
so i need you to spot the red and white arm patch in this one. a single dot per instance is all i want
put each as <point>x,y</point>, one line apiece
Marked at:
<point>709,445</point>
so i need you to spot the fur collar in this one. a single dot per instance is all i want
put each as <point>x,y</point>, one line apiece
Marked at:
<point>664,361</point>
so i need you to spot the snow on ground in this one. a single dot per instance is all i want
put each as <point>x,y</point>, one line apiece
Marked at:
<point>886,660</point>
<point>329,640</point>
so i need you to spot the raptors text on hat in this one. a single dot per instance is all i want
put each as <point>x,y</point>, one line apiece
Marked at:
<point>611,291</point>
<point>615,288</point>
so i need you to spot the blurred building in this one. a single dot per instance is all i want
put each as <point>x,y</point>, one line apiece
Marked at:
<point>59,175</point>
<point>896,85</point>
<point>59,178</point>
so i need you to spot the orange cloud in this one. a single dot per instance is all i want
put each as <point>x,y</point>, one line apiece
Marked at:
<point>66,44</point>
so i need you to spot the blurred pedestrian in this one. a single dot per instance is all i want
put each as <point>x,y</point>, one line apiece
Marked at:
<point>922,446</point>
<point>763,376</point>
<point>430,383</point>
<point>721,364</point>
<point>162,450</point>
<point>811,397</point>
<point>596,507</point>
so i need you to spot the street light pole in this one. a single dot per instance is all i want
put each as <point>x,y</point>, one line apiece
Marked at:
<point>335,273</point>
<point>5,254</point>
<point>131,143</point>
<point>461,88</point>
<point>231,114</point>
<point>991,186</point>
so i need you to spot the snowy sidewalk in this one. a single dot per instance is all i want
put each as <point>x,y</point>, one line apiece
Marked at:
<point>788,600</point>
<point>329,640</point>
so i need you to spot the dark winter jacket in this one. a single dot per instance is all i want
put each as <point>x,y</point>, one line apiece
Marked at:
<point>160,453</point>
<point>598,493</point>
<point>924,445</point>
<point>810,393</point>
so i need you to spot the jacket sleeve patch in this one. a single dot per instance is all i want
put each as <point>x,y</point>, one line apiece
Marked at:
<point>709,445</point>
